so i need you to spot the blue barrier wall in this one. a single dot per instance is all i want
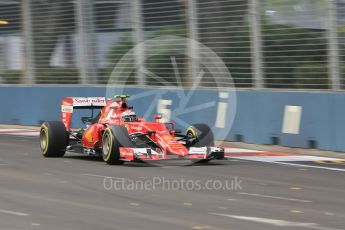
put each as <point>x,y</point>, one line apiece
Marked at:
<point>258,117</point>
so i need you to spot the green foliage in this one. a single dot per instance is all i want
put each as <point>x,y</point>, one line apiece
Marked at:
<point>104,74</point>
<point>11,76</point>
<point>311,76</point>
<point>285,47</point>
<point>57,76</point>
<point>288,7</point>
<point>288,52</point>
<point>158,57</point>
<point>341,29</point>
<point>120,48</point>
<point>238,59</point>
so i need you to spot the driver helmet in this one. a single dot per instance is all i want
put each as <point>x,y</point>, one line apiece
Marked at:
<point>129,116</point>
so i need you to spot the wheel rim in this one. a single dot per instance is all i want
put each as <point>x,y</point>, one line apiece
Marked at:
<point>43,139</point>
<point>190,135</point>
<point>106,144</point>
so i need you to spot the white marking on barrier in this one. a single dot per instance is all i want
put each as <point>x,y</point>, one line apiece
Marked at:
<point>223,95</point>
<point>221,114</point>
<point>292,119</point>
<point>162,108</point>
<point>221,110</point>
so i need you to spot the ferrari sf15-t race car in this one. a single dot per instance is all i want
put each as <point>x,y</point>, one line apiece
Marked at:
<point>118,135</point>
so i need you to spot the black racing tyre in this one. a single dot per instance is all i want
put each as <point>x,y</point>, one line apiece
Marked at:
<point>202,133</point>
<point>113,138</point>
<point>53,139</point>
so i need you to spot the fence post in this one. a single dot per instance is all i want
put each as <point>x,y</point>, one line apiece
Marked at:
<point>138,38</point>
<point>28,57</point>
<point>86,41</point>
<point>333,46</point>
<point>256,43</point>
<point>2,61</point>
<point>193,45</point>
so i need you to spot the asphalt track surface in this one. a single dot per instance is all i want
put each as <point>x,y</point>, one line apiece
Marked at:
<point>76,192</point>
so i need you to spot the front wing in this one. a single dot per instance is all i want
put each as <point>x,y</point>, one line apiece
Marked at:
<point>195,153</point>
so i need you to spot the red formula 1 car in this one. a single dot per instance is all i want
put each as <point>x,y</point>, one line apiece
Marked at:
<point>119,135</point>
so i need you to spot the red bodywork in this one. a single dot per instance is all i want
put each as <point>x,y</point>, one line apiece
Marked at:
<point>111,114</point>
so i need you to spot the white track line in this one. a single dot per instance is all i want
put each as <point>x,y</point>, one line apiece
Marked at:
<point>239,150</point>
<point>100,176</point>
<point>285,158</point>
<point>275,222</point>
<point>19,132</point>
<point>257,159</point>
<point>14,213</point>
<point>274,197</point>
<point>310,166</point>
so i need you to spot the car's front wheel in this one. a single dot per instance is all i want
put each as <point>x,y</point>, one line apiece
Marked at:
<point>201,134</point>
<point>113,138</point>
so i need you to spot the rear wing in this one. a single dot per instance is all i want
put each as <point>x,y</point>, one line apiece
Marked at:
<point>70,103</point>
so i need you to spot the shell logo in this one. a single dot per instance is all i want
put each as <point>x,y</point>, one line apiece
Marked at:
<point>88,136</point>
<point>168,138</point>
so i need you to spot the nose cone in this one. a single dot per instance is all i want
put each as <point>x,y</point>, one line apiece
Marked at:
<point>180,151</point>
<point>174,146</point>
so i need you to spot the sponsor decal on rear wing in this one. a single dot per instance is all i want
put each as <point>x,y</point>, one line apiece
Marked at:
<point>67,108</point>
<point>70,103</point>
<point>89,101</point>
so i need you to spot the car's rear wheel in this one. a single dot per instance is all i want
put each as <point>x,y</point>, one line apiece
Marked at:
<point>113,138</point>
<point>53,139</point>
<point>202,135</point>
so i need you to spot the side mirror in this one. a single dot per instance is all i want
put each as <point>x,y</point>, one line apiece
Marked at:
<point>157,117</point>
<point>150,132</point>
<point>178,131</point>
<point>86,120</point>
<point>191,141</point>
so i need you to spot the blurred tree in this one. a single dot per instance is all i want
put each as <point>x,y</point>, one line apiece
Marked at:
<point>220,21</point>
<point>285,48</point>
<point>50,19</point>
<point>289,7</point>
<point>158,57</point>
<point>238,58</point>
